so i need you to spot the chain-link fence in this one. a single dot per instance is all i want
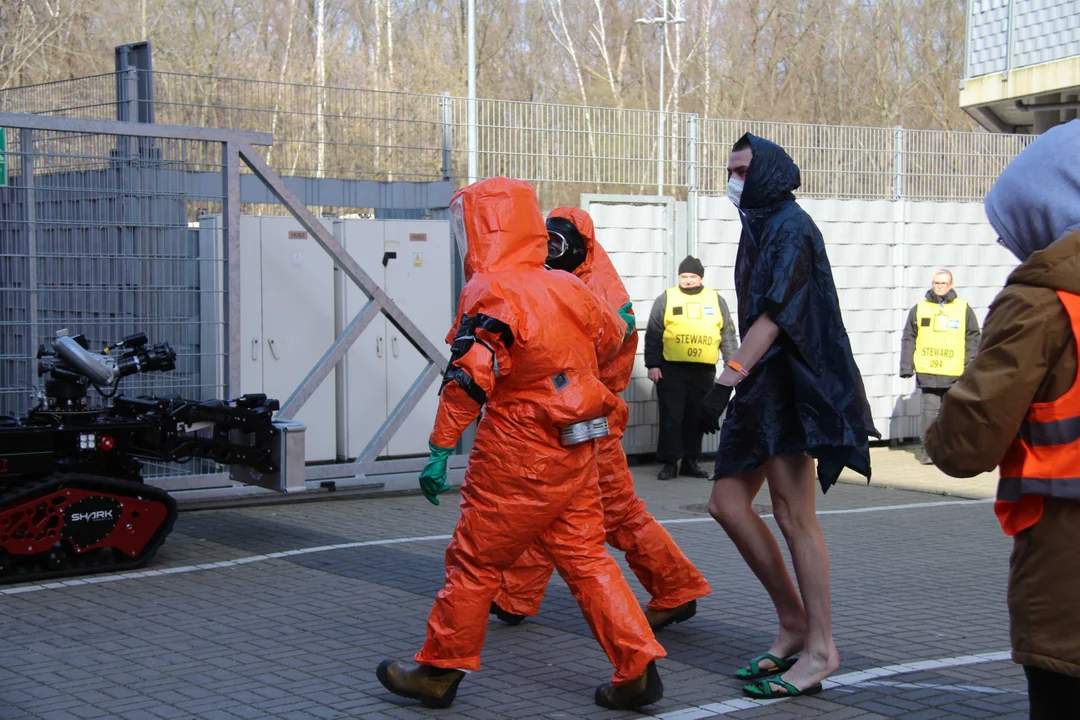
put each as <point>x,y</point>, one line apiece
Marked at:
<point>95,238</point>
<point>564,150</point>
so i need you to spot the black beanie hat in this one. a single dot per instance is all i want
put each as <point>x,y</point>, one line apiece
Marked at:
<point>692,265</point>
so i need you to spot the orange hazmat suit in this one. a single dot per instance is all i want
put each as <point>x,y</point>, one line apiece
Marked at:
<point>664,571</point>
<point>526,350</point>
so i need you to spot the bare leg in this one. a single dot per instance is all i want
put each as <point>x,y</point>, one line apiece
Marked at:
<point>731,506</point>
<point>792,486</point>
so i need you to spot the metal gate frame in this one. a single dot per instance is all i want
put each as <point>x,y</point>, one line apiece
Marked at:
<point>238,146</point>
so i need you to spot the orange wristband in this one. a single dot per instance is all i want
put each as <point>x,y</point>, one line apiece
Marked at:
<point>738,368</point>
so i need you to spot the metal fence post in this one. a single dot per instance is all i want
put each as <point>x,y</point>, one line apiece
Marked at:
<point>692,183</point>
<point>230,213</point>
<point>131,102</point>
<point>26,148</point>
<point>898,162</point>
<point>447,138</point>
<point>899,262</point>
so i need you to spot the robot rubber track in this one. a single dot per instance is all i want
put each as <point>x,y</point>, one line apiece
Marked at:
<point>75,524</point>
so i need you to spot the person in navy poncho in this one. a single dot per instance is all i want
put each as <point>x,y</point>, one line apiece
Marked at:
<point>800,398</point>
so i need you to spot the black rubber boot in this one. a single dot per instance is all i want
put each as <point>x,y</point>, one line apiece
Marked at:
<point>641,691</point>
<point>659,619</point>
<point>669,471</point>
<point>507,617</point>
<point>433,687</point>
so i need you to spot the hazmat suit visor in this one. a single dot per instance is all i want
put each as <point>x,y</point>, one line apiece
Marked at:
<point>457,228</point>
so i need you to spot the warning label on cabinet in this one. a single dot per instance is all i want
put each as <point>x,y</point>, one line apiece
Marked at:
<point>417,260</point>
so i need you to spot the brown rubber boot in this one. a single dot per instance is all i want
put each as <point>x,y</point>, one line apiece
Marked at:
<point>433,687</point>
<point>644,690</point>
<point>662,618</point>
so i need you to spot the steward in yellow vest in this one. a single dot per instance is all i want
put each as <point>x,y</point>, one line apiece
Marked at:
<point>689,329</point>
<point>940,339</point>
<point>692,326</point>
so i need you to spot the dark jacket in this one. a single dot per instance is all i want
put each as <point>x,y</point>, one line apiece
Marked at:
<point>806,393</point>
<point>654,333</point>
<point>907,346</point>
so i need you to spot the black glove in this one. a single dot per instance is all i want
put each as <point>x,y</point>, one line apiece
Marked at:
<point>712,407</point>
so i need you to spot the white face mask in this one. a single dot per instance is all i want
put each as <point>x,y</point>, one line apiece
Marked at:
<point>734,189</point>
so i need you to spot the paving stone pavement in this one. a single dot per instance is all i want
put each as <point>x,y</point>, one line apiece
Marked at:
<point>299,636</point>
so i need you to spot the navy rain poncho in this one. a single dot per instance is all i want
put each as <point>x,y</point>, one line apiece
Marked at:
<point>805,395</point>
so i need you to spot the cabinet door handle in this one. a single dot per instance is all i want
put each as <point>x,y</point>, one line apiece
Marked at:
<point>378,347</point>
<point>254,348</point>
<point>273,352</point>
<point>393,345</point>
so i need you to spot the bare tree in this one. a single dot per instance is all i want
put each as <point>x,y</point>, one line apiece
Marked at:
<point>835,61</point>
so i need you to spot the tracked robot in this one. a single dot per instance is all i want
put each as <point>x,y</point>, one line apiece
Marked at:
<point>72,496</point>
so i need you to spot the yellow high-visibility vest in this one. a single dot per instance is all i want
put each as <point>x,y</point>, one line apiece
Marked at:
<point>692,325</point>
<point>941,339</point>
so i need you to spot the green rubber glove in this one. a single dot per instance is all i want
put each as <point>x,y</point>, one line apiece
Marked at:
<point>631,321</point>
<point>433,476</point>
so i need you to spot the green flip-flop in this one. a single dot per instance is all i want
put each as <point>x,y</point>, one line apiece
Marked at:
<point>763,690</point>
<point>754,671</point>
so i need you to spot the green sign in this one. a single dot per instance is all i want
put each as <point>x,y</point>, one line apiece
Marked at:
<point>3,157</point>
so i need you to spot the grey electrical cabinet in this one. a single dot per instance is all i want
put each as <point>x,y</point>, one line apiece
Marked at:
<point>410,260</point>
<point>295,301</point>
<point>287,320</point>
<point>286,317</point>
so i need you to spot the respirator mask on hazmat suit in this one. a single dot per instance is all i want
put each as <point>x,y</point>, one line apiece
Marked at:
<point>566,248</point>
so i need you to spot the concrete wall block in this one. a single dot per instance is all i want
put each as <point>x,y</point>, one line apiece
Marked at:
<point>860,238</point>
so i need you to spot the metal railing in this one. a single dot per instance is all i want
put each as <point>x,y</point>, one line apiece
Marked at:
<point>563,149</point>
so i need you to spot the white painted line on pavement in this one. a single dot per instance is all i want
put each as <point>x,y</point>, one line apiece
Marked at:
<point>852,679</point>
<point>851,511</point>
<point>93,579</point>
<point>116,577</point>
<point>977,689</point>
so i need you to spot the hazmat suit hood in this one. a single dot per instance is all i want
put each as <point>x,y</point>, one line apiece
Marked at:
<point>596,271</point>
<point>1036,200</point>
<point>600,276</point>
<point>498,226</point>
<point>772,176</point>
